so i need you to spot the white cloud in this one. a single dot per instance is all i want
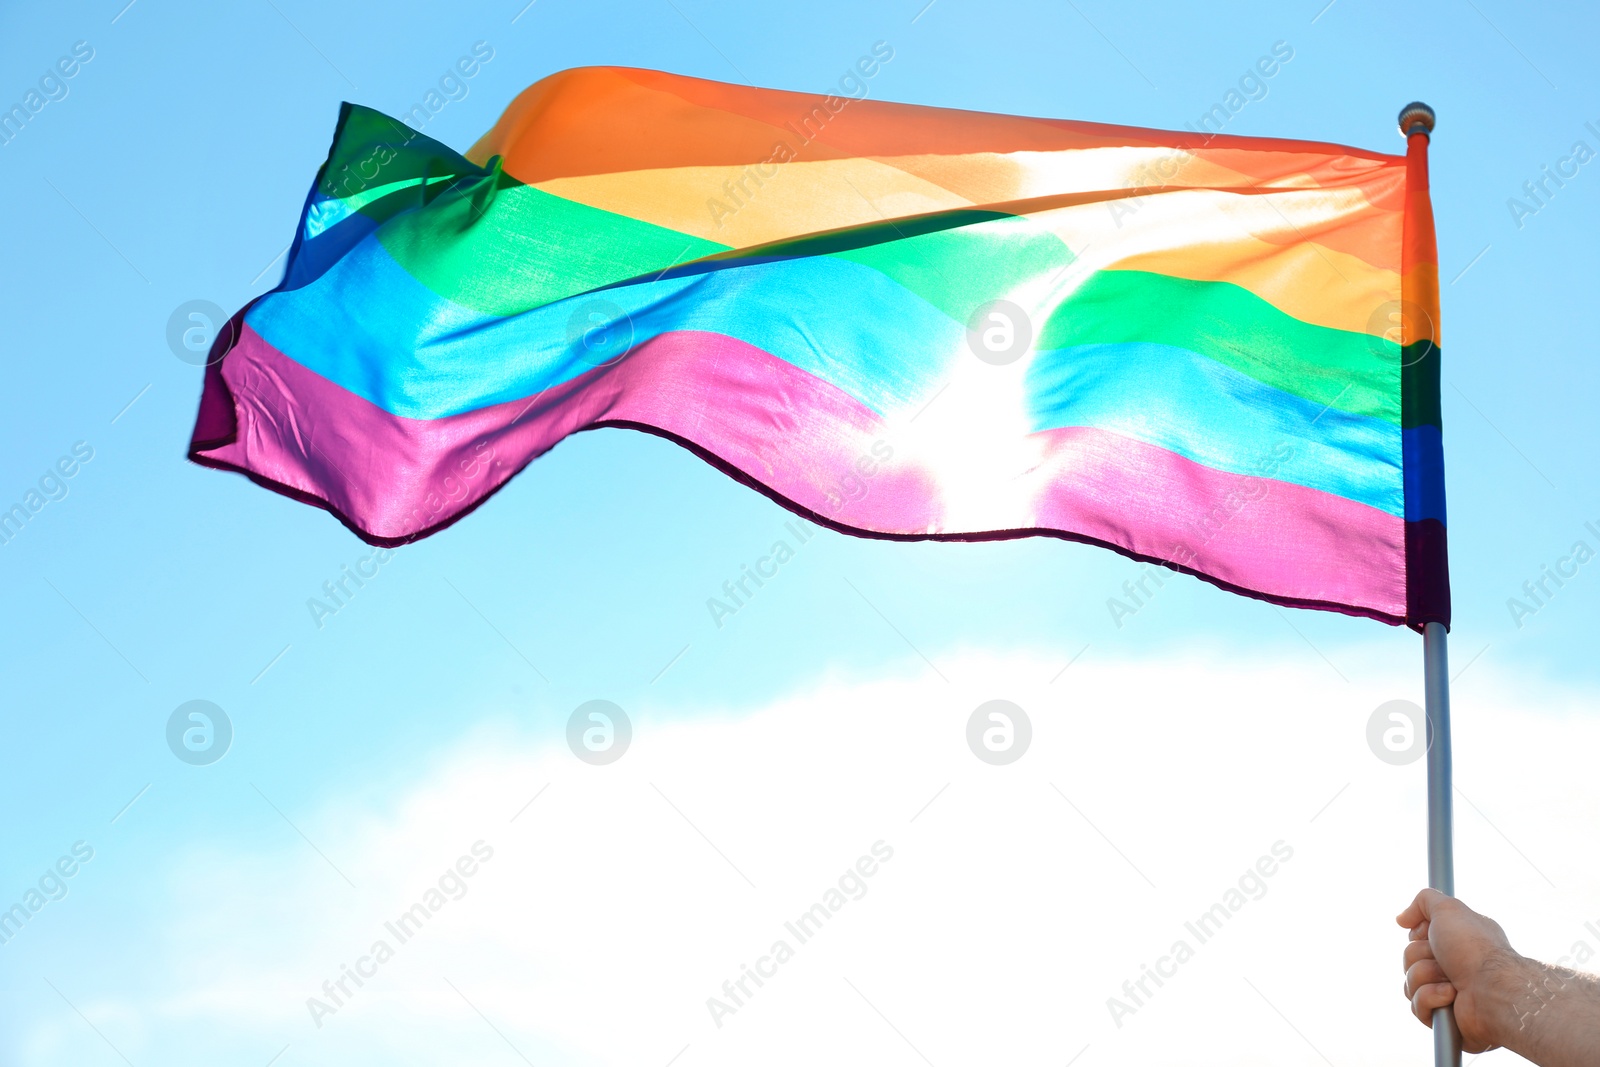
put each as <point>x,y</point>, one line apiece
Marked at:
<point>1018,900</point>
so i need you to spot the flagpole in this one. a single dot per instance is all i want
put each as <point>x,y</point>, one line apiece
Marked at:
<point>1441,837</point>
<point>1416,125</point>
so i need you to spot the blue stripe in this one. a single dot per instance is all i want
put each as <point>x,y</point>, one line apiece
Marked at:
<point>326,238</point>
<point>1424,449</point>
<point>366,324</point>
<point>1213,414</point>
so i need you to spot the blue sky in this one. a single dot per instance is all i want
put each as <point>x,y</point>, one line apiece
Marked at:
<point>173,169</point>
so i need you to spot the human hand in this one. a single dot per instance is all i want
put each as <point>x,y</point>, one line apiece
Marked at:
<point>1458,957</point>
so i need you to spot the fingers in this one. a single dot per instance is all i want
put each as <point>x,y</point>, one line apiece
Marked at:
<point>1424,973</point>
<point>1415,952</point>
<point>1431,997</point>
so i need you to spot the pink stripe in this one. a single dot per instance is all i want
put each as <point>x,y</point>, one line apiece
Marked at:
<point>1255,534</point>
<point>815,447</point>
<point>393,477</point>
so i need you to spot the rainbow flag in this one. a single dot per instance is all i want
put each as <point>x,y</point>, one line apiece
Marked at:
<point>1218,353</point>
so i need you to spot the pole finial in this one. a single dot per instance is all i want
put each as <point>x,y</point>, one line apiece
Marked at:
<point>1416,117</point>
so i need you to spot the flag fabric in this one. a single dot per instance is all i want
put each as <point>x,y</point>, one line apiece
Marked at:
<point>1214,352</point>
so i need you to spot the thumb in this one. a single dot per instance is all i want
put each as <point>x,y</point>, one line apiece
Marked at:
<point>1420,909</point>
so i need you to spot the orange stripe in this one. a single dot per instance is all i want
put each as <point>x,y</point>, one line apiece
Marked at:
<point>907,129</point>
<point>604,119</point>
<point>1419,319</point>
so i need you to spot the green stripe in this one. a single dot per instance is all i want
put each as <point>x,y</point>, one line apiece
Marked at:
<point>956,260</point>
<point>376,163</point>
<point>368,200</point>
<point>958,270</point>
<point>502,248</point>
<point>1354,372</point>
<point>1421,385</point>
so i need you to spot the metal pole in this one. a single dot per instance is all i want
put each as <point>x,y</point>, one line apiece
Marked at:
<point>1417,121</point>
<point>1441,822</point>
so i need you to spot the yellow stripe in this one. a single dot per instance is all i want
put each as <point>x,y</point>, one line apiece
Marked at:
<point>744,206</point>
<point>786,196</point>
<point>1262,242</point>
<point>990,177</point>
<point>1248,240</point>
